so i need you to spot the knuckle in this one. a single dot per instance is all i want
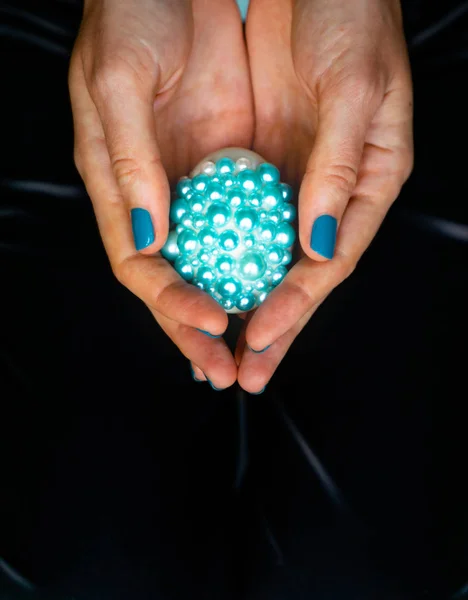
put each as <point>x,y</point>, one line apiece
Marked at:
<point>126,171</point>
<point>345,266</point>
<point>122,272</point>
<point>342,177</point>
<point>79,160</point>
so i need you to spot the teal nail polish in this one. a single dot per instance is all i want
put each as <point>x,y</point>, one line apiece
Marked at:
<point>258,393</point>
<point>209,334</point>
<point>142,226</point>
<point>215,388</point>
<point>259,351</point>
<point>323,236</point>
<point>193,375</point>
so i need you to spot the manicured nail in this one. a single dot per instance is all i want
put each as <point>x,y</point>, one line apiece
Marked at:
<point>259,351</point>
<point>142,226</point>
<point>209,334</point>
<point>193,375</point>
<point>215,388</point>
<point>323,236</point>
<point>258,393</point>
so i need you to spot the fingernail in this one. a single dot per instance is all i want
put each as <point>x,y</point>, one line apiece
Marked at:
<point>323,236</point>
<point>209,334</point>
<point>258,393</point>
<point>259,351</point>
<point>193,375</point>
<point>142,226</point>
<point>215,388</point>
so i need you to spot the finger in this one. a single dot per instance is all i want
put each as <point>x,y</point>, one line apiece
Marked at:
<point>151,278</point>
<point>344,115</point>
<point>125,104</point>
<point>256,369</point>
<point>197,373</point>
<point>211,358</point>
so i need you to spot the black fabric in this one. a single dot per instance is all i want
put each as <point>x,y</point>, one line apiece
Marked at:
<point>121,478</point>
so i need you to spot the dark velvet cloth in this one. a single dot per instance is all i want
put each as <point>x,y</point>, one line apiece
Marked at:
<point>122,479</point>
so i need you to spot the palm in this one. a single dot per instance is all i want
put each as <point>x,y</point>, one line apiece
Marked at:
<point>211,105</point>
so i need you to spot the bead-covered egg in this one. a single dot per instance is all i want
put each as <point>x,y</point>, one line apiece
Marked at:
<point>231,231</point>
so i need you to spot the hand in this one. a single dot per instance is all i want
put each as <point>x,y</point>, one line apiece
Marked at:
<point>333,100</point>
<point>155,86</point>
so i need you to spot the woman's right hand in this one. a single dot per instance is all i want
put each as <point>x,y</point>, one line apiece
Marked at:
<point>155,86</point>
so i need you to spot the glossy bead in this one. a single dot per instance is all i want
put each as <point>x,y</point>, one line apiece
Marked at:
<point>214,191</point>
<point>254,200</point>
<point>266,231</point>
<point>184,268</point>
<point>229,287</point>
<point>275,254</point>
<point>245,301</point>
<point>268,173</point>
<point>187,242</point>
<point>209,168</point>
<point>227,303</point>
<point>179,208</point>
<point>261,297</point>
<point>275,216</point>
<point>199,221</point>
<point>252,266</point>
<point>225,264</point>
<point>249,241</point>
<point>235,197</point>
<point>200,182</point>
<point>225,165</point>
<point>285,235</point>
<point>170,250</point>
<point>287,192</point>
<point>204,256</point>
<point>261,285</point>
<point>196,203</point>
<point>227,180</point>
<point>278,275</point>
<point>206,275</point>
<point>289,213</point>
<point>271,196</point>
<point>246,218</point>
<point>229,240</point>
<point>218,214</point>
<point>248,180</point>
<point>287,258</point>
<point>208,237</point>
<point>242,164</point>
<point>184,187</point>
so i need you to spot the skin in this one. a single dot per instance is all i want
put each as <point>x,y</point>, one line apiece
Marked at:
<point>333,109</point>
<point>155,86</point>
<point>325,94</point>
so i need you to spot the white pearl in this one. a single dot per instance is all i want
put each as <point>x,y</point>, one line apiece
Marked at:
<point>209,168</point>
<point>243,163</point>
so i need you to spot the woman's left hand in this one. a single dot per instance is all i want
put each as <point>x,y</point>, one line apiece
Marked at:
<point>333,100</point>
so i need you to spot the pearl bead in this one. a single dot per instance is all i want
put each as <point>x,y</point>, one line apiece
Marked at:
<point>204,256</point>
<point>227,180</point>
<point>285,235</point>
<point>254,200</point>
<point>287,192</point>
<point>196,203</point>
<point>249,241</point>
<point>229,287</point>
<point>252,266</point>
<point>248,180</point>
<point>229,240</point>
<point>245,302</point>
<point>275,254</point>
<point>187,242</point>
<point>242,164</point>
<point>209,168</point>
<point>170,250</point>
<point>268,173</point>
<point>246,219</point>
<point>199,182</point>
<point>207,237</point>
<point>218,214</point>
<point>206,275</point>
<point>214,191</point>
<point>267,231</point>
<point>225,165</point>
<point>184,187</point>
<point>278,275</point>
<point>289,213</point>
<point>184,268</point>
<point>225,264</point>
<point>271,196</point>
<point>275,216</point>
<point>179,208</point>
<point>235,197</point>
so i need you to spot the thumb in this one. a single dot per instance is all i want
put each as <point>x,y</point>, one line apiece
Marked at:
<point>125,106</point>
<point>332,170</point>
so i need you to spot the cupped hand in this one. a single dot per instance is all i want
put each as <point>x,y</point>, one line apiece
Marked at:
<point>155,86</point>
<point>333,104</point>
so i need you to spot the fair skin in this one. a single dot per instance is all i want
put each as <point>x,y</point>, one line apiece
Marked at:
<point>325,94</point>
